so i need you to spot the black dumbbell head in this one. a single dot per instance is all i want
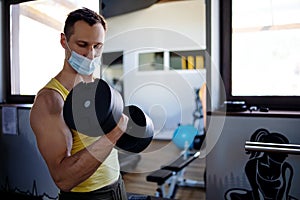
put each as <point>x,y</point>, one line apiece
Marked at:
<point>139,132</point>
<point>93,108</point>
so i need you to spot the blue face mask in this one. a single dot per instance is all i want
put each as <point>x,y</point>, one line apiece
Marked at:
<point>84,65</point>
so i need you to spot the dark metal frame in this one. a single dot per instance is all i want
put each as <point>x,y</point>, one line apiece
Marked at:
<point>271,102</point>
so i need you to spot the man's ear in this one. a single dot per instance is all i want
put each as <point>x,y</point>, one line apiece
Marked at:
<point>63,40</point>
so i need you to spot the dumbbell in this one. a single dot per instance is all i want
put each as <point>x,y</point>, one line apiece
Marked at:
<point>95,108</point>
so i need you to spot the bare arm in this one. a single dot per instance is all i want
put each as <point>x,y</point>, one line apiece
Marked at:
<point>54,141</point>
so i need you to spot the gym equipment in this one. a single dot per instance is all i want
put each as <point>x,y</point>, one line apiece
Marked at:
<point>139,132</point>
<point>172,176</point>
<point>95,108</point>
<point>188,138</point>
<point>191,135</point>
<point>184,135</point>
<point>136,196</point>
<point>198,141</point>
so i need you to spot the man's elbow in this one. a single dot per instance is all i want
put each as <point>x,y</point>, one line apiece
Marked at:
<point>64,185</point>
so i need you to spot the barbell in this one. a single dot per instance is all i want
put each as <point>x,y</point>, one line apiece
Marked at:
<point>95,108</point>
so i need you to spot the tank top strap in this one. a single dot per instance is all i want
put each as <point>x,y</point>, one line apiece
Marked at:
<point>54,84</point>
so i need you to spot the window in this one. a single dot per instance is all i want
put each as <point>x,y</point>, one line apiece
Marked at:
<point>33,51</point>
<point>260,43</point>
<point>174,60</point>
<point>187,60</point>
<point>151,61</point>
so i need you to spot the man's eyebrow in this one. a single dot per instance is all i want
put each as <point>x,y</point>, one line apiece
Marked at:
<point>81,41</point>
<point>86,42</point>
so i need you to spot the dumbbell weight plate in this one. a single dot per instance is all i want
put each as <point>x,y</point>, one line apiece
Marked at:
<point>139,132</point>
<point>93,108</point>
<point>116,106</point>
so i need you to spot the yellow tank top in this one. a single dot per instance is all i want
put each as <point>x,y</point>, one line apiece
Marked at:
<point>109,170</point>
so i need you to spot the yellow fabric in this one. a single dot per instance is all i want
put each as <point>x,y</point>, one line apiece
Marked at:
<point>109,170</point>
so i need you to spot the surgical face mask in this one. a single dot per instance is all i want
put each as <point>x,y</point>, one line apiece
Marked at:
<point>83,65</point>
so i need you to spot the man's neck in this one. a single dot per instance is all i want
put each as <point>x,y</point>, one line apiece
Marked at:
<point>68,77</point>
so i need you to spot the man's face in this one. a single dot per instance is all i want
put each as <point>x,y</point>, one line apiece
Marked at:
<point>87,40</point>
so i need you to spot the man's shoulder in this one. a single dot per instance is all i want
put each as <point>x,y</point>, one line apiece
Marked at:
<point>48,99</point>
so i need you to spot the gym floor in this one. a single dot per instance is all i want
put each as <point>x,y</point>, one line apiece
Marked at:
<point>161,152</point>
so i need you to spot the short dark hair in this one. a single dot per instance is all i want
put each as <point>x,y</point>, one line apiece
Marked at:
<point>85,14</point>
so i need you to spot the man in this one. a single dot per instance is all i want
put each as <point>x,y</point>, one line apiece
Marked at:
<point>82,167</point>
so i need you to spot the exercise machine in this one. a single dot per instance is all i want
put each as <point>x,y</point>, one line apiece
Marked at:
<point>189,138</point>
<point>170,177</point>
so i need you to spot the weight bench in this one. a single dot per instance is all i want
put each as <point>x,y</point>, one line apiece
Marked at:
<point>172,175</point>
<point>160,177</point>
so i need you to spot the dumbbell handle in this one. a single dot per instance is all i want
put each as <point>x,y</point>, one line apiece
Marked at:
<point>95,108</point>
<point>139,132</point>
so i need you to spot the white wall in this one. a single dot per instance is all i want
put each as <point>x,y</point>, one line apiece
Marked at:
<point>159,26</point>
<point>166,96</point>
